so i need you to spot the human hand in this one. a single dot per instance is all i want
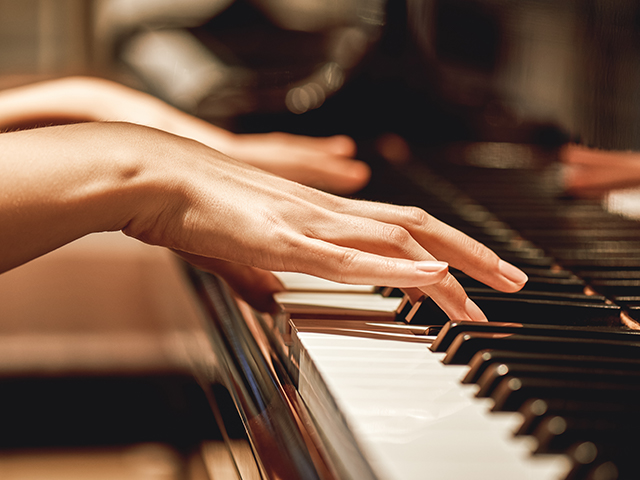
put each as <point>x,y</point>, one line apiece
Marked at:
<point>223,209</point>
<point>324,163</point>
<point>61,183</point>
<point>593,172</point>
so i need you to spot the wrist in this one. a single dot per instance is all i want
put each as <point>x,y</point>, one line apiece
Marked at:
<point>61,183</point>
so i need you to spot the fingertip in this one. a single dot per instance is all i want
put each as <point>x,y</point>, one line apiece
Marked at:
<point>349,177</point>
<point>359,171</point>
<point>342,145</point>
<point>474,312</point>
<point>515,277</point>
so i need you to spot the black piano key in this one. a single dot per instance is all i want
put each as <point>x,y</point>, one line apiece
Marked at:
<point>526,262</point>
<point>512,392</point>
<point>544,295</point>
<point>550,311</point>
<point>602,263</point>
<point>565,246</point>
<point>451,330</point>
<point>556,433</point>
<point>616,287</point>
<point>577,237</point>
<point>533,272</point>
<point>531,311</point>
<point>631,309</point>
<point>604,461</point>
<point>585,254</point>
<point>466,345</point>
<point>495,373</point>
<point>484,358</point>
<point>583,456</point>
<point>616,274</point>
<point>535,409</point>
<point>552,283</point>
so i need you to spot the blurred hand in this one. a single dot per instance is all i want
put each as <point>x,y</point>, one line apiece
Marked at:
<point>324,163</point>
<point>593,172</point>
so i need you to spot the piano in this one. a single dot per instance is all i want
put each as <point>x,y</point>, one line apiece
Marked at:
<point>547,389</point>
<point>355,381</point>
<point>389,398</point>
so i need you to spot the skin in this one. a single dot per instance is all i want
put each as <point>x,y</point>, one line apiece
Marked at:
<point>326,163</point>
<point>61,183</point>
<point>594,172</point>
<point>225,216</point>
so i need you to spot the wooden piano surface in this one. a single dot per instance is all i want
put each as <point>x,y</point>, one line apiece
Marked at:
<point>102,354</point>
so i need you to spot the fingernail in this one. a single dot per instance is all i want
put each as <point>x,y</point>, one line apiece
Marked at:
<point>434,266</point>
<point>512,273</point>
<point>474,311</point>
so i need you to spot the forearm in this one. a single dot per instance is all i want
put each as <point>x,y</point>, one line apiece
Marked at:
<point>58,184</point>
<point>321,162</point>
<point>67,99</point>
<point>90,99</point>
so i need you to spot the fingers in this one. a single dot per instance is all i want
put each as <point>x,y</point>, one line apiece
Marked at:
<point>353,266</point>
<point>335,174</point>
<point>337,145</point>
<point>446,244</point>
<point>257,286</point>
<point>325,163</point>
<point>453,300</point>
<point>370,236</point>
<point>411,233</point>
<point>345,265</point>
<point>581,155</point>
<point>588,170</point>
<point>267,222</point>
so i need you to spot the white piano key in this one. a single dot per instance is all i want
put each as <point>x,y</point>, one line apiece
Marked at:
<point>302,282</point>
<point>348,301</point>
<point>414,421</point>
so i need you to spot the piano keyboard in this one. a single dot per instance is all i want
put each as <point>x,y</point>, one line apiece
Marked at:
<point>408,413</point>
<point>547,389</point>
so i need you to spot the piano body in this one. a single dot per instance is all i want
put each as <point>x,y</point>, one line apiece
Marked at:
<point>458,107</point>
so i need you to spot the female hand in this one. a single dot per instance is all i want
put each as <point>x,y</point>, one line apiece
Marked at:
<point>593,172</point>
<point>325,163</point>
<point>232,212</point>
<point>60,183</point>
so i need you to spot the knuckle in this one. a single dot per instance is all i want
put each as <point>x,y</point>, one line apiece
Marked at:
<point>416,217</point>
<point>349,258</point>
<point>395,234</point>
<point>348,263</point>
<point>477,250</point>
